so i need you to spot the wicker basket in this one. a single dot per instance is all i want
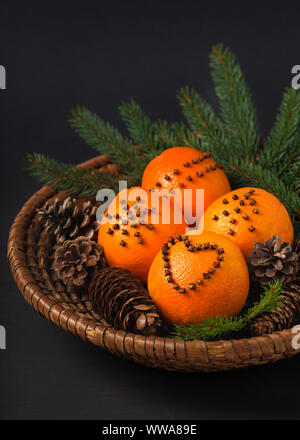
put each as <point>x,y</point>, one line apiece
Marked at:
<point>28,255</point>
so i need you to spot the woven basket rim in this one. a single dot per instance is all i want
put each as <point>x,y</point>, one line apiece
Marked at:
<point>158,351</point>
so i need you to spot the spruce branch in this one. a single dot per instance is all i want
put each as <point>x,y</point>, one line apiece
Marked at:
<point>104,138</point>
<point>237,108</point>
<point>283,142</point>
<point>291,175</point>
<point>204,122</point>
<point>182,135</point>
<point>290,167</point>
<point>214,328</point>
<point>138,125</point>
<point>167,135</point>
<point>164,135</point>
<point>79,182</point>
<point>155,136</point>
<point>295,175</point>
<point>242,173</point>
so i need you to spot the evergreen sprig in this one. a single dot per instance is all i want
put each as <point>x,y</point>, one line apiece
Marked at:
<point>242,173</point>
<point>283,143</point>
<point>214,328</point>
<point>237,108</point>
<point>155,136</point>
<point>79,182</point>
<point>234,139</point>
<point>204,122</point>
<point>138,125</point>
<point>105,139</point>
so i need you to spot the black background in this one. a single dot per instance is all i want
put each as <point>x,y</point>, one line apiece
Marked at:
<point>100,54</point>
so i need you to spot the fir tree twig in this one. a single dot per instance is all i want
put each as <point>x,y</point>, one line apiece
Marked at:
<point>203,120</point>
<point>79,182</point>
<point>138,125</point>
<point>283,142</point>
<point>105,139</point>
<point>213,328</point>
<point>237,108</point>
<point>242,173</point>
<point>155,136</point>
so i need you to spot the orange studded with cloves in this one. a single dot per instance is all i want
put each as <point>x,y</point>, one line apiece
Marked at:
<point>247,215</point>
<point>187,168</point>
<point>197,277</point>
<point>132,231</point>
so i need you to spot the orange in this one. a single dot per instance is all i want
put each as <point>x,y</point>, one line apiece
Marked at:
<point>134,245</point>
<point>199,277</point>
<point>187,168</point>
<point>247,215</point>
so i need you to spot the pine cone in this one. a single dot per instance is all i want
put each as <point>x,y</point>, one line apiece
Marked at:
<point>284,316</point>
<point>297,246</point>
<point>69,219</point>
<point>273,260</point>
<point>121,298</point>
<point>77,260</point>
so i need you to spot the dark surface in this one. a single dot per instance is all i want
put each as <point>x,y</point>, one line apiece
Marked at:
<point>100,55</point>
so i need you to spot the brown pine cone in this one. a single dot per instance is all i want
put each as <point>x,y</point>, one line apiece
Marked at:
<point>77,260</point>
<point>121,298</point>
<point>297,246</point>
<point>285,315</point>
<point>273,260</point>
<point>69,218</point>
<point>282,317</point>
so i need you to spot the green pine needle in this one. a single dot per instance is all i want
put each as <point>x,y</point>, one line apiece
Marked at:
<point>105,139</point>
<point>79,182</point>
<point>214,328</point>
<point>283,143</point>
<point>237,108</point>
<point>241,173</point>
<point>99,135</point>
<point>204,122</point>
<point>156,136</point>
<point>138,124</point>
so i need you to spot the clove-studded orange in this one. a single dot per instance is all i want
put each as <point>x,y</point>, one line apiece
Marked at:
<point>247,215</point>
<point>197,277</point>
<point>132,230</point>
<point>187,168</point>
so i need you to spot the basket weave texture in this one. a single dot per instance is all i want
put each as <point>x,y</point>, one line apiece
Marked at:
<point>29,256</point>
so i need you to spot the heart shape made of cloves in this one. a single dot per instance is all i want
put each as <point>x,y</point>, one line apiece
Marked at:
<point>191,248</point>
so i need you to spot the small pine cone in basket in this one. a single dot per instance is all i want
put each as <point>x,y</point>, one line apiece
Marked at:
<point>273,260</point>
<point>75,261</point>
<point>285,315</point>
<point>122,300</point>
<point>68,218</point>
